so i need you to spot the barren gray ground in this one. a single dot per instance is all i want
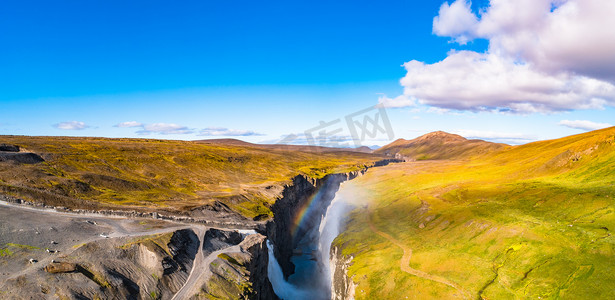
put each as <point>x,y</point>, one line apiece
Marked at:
<point>27,233</point>
<point>30,227</point>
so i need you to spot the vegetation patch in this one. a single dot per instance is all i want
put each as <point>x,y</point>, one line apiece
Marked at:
<point>229,259</point>
<point>521,222</point>
<point>5,252</point>
<point>152,242</point>
<point>99,173</point>
<point>28,247</point>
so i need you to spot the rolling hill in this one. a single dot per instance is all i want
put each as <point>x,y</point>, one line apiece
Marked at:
<point>304,148</point>
<point>533,222</point>
<point>439,145</point>
<point>222,176</point>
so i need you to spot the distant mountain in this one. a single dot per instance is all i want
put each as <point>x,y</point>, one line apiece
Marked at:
<point>364,149</point>
<point>289,147</point>
<point>439,145</point>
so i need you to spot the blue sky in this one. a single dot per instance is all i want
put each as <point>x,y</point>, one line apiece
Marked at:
<point>244,69</point>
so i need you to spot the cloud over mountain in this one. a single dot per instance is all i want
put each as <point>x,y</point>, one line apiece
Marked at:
<point>172,129</point>
<point>165,128</point>
<point>221,131</point>
<point>584,124</point>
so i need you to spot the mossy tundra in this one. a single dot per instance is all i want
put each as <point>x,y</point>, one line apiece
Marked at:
<point>526,222</point>
<point>164,174</point>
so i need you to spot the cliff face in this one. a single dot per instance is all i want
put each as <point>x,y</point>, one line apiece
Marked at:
<point>237,272</point>
<point>343,287</point>
<point>306,199</point>
<point>285,230</point>
<point>158,264</point>
<point>256,246</point>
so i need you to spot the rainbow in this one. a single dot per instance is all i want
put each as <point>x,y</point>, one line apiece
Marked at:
<point>304,210</point>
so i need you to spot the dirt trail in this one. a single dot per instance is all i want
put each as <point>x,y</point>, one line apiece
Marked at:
<point>197,265</point>
<point>200,272</point>
<point>405,261</point>
<point>115,227</point>
<point>75,247</point>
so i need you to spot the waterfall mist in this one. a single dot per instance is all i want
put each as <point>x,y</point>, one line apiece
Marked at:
<point>330,228</point>
<point>312,278</point>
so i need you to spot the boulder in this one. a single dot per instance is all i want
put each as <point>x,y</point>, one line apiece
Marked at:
<point>60,267</point>
<point>22,158</point>
<point>9,148</point>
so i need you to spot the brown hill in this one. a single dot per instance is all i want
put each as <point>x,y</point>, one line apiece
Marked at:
<point>439,145</point>
<point>288,147</point>
<point>161,175</point>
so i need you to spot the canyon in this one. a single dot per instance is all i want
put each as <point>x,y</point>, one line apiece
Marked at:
<point>434,217</point>
<point>183,259</point>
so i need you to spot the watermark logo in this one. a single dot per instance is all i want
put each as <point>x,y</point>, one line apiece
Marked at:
<point>351,130</point>
<point>375,121</point>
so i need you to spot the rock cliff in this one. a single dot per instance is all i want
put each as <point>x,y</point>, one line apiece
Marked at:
<point>285,230</point>
<point>342,287</point>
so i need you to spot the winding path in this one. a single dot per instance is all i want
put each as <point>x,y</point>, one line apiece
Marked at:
<point>404,264</point>
<point>199,273</point>
<point>191,281</point>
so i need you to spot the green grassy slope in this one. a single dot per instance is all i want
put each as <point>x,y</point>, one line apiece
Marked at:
<point>523,222</point>
<point>175,175</point>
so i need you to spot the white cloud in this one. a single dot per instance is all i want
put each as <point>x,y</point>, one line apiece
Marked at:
<point>399,101</point>
<point>437,110</point>
<point>342,141</point>
<point>467,80</point>
<point>554,35</point>
<point>498,137</point>
<point>455,20</point>
<point>164,128</point>
<point>72,125</point>
<point>129,124</point>
<point>544,55</point>
<point>171,128</point>
<point>336,141</point>
<point>221,131</point>
<point>584,124</point>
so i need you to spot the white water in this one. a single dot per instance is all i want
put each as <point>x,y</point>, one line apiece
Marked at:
<point>312,278</point>
<point>330,228</point>
<point>281,287</point>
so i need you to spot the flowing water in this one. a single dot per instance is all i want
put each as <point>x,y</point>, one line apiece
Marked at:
<point>312,277</point>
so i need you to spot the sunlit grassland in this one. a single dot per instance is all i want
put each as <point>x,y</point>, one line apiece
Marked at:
<point>178,175</point>
<point>526,222</point>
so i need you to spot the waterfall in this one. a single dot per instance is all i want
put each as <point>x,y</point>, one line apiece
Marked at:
<point>312,279</point>
<point>329,229</point>
<point>281,287</point>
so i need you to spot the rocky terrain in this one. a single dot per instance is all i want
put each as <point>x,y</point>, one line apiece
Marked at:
<point>342,286</point>
<point>55,255</point>
<point>12,153</point>
<point>82,253</point>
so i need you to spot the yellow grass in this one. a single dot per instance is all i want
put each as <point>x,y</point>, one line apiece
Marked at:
<point>162,174</point>
<point>521,222</point>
